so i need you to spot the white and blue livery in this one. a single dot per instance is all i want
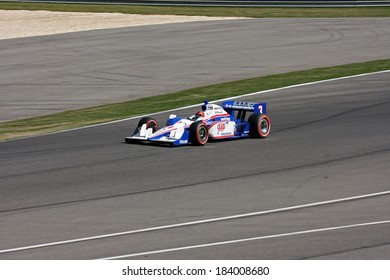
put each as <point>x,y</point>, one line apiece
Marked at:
<point>229,121</point>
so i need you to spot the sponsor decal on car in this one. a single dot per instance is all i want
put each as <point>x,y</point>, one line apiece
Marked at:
<point>221,127</point>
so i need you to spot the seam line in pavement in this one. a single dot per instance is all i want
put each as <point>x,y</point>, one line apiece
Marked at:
<point>245,215</point>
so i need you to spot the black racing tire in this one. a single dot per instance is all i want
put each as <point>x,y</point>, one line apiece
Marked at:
<point>150,123</point>
<point>199,134</point>
<point>259,125</point>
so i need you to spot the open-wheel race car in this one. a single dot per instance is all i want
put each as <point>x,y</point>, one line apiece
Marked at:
<point>211,123</point>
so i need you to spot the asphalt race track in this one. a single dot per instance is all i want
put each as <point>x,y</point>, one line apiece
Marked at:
<point>46,74</point>
<point>329,148</point>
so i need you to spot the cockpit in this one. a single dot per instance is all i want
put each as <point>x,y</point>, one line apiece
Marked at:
<point>208,111</point>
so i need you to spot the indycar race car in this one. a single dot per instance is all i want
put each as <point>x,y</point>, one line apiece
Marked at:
<point>212,122</point>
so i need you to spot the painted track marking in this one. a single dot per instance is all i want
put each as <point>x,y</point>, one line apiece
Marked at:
<point>199,104</point>
<point>245,215</point>
<point>247,239</point>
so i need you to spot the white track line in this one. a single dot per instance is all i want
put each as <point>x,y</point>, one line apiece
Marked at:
<point>235,97</point>
<point>246,240</point>
<point>245,215</point>
<point>212,101</point>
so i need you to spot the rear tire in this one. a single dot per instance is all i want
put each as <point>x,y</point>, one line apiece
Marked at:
<point>199,134</point>
<point>259,125</point>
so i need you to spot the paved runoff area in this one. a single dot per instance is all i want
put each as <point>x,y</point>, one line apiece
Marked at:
<point>52,73</point>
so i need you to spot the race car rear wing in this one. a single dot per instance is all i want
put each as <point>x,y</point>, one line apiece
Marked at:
<point>258,108</point>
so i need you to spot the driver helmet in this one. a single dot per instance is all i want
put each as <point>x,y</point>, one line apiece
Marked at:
<point>200,114</point>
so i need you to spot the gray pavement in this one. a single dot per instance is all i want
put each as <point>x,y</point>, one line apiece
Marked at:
<point>47,74</point>
<point>328,141</point>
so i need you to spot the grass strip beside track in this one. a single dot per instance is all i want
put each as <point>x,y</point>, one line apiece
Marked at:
<point>322,12</point>
<point>110,112</point>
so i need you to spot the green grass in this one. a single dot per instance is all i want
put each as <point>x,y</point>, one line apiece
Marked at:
<point>99,114</point>
<point>205,11</point>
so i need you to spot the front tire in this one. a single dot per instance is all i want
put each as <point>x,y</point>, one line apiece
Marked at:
<point>150,123</point>
<point>199,134</point>
<point>259,126</point>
